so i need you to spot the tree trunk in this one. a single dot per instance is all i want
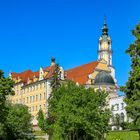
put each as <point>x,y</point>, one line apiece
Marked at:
<point>139,133</point>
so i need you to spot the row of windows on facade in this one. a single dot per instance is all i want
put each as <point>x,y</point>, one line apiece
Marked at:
<point>33,98</point>
<point>116,107</point>
<point>36,108</point>
<point>118,118</point>
<point>31,88</point>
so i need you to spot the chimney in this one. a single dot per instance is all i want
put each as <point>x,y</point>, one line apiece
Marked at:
<point>52,61</point>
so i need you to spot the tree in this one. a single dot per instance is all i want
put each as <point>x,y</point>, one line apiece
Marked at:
<point>41,120</point>
<point>132,87</point>
<point>18,123</point>
<point>79,113</point>
<point>53,99</point>
<point>6,85</point>
<point>55,80</point>
<point>14,119</point>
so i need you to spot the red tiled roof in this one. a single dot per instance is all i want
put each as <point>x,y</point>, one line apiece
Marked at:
<point>25,75</point>
<point>51,71</point>
<point>80,74</point>
<point>30,74</point>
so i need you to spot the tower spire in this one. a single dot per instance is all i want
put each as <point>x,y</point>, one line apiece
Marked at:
<point>105,28</point>
<point>104,19</point>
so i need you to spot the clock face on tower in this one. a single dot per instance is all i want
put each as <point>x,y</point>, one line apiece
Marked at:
<point>104,46</point>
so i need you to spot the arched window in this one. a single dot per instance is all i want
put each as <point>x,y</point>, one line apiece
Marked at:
<point>44,96</point>
<point>117,119</point>
<point>122,117</point>
<point>36,97</point>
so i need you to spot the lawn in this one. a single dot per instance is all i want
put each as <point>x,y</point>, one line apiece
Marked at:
<point>122,135</point>
<point>113,135</point>
<point>39,133</point>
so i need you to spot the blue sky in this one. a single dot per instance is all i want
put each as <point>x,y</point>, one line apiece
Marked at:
<point>31,32</point>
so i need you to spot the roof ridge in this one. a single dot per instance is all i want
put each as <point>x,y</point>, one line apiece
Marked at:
<point>81,65</point>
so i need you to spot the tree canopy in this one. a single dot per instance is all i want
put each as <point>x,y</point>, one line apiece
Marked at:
<point>14,119</point>
<point>78,113</point>
<point>41,120</point>
<point>18,123</point>
<point>6,85</point>
<point>132,87</point>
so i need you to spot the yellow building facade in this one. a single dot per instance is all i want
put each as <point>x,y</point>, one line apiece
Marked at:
<point>33,89</point>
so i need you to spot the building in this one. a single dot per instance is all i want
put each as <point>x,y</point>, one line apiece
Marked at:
<point>117,107</point>
<point>99,74</point>
<point>34,88</point>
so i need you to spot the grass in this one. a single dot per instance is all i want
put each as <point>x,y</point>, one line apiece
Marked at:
<point>113,135</point>
<point>123,135</point>
<point>39,133</point>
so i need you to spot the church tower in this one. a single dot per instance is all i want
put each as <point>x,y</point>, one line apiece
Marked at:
<point>105,43</point>
<point>105,49</point>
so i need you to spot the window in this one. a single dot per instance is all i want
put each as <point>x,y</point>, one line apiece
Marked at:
<point>122,105</point>
<point>33,98</point>
<point>37,87</point>
<point>92,81</point>
<point>40,96</point>
<point>112,107</point>
<point>36,97</point>
<point>44,96</point>
<point>117,106</point>
<point>41,85</point>
<point>27,100</point>
<point>117,119</point>
<point>30,99</point>
<point>23,100</point>
<point>122,117</point>
<point>36,107</point>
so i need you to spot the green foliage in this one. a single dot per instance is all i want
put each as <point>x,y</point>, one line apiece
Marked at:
<point>78,113</point>
<point>18,124</point>
<point>41,120</point>
<point>132,87</point>
<point>55,83</point>
<point>14,119</point>
<point>6,86</point>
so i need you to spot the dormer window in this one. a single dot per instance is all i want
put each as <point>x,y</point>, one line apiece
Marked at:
<point>41,73</point>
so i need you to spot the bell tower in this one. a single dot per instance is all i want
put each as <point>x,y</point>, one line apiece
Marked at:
<point>105,49</point>
<point>105,43</point>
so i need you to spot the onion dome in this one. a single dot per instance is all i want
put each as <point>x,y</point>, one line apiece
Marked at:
<point>104,78</point>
